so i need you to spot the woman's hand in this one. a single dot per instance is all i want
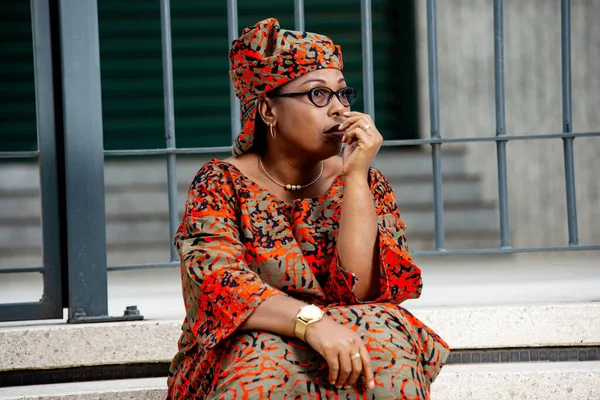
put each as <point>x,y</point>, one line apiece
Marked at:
<point>363,141</point>
<point>339,346</point>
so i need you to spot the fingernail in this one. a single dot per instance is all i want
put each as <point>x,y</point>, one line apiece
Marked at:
<point>339,386</point>
<point>346,112</point>
<point>347,387</point>
<point>372,384</point>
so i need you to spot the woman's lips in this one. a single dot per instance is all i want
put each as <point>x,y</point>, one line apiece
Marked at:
<point>335,133</point>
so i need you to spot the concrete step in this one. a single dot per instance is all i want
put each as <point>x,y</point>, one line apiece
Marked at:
<point>140,199</point>
<point>24,177</point>
<point>152,227</point>
<point>123,389</point>
<point>58,345</point>
<point>543,381</point>
<point>137,201</point>
<point>406,162</point>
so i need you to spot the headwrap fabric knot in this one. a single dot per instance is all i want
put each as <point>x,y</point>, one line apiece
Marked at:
<point>266,57</point>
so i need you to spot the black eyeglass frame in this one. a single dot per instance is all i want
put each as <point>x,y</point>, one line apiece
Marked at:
<point>310,91</point>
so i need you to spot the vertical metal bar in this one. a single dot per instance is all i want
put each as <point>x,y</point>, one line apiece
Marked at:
<point>232,29</point>
<point>299,15</point>
<point>568,121</point>
<point>84,159</point>
<point>167,61</point>
<point>501,121</point>
<point>48,163</point>
<point>432,57</point>
<point>434,116</point>
<point>367,56</point>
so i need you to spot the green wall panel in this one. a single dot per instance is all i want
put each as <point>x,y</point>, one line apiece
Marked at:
<point>131,67</point>
<point>17,90</point>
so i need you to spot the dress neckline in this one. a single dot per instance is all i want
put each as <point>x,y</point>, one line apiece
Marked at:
<point>268,193</point>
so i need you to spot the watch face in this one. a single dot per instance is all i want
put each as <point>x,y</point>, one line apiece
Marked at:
<point>311,312</point>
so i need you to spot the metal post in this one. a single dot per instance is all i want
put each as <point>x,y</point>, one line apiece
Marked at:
<point>299,15</point>
<point>434,116</point>
<point>165,19</point>
<point>501,121</point>
<point>232,29</point>
<point>568,121</point>
<point>367,57</point>
<point>84,159</point>
<point>84,162</point>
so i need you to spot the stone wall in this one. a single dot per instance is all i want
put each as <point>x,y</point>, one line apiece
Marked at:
<point>532,51</point>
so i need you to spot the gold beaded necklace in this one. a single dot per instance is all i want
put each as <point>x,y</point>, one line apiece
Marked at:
<point>289,186</point>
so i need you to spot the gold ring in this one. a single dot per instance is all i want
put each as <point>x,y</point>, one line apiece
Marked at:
<point>357,355</point>
<point>367,126</point>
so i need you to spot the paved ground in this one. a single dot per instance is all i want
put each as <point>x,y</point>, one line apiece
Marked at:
<point>449,281</point>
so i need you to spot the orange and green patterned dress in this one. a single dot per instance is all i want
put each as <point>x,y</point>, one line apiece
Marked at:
<point>239,245</point>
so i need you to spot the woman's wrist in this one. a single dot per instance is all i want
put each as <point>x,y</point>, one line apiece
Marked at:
<point>356,177</point>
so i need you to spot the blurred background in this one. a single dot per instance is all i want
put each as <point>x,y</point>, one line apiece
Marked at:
<point>133,118</point>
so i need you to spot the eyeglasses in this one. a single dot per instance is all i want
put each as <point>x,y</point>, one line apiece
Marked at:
<point>321,96</point>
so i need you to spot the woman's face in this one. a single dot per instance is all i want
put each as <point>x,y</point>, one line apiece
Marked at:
<point>301,126</point>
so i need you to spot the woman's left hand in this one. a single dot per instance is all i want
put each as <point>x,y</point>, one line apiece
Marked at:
<point>363,141</point>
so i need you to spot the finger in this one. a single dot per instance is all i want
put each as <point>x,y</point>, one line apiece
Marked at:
<point>362,125</point>
<point>359,136</point>
<point>364,120</point>
<point>357,368</point>
<point>367,368</point>
<point>354,114</point>
<point>351,114</point>
<point>349,121</point>
<point>345,368</point>
<point>334,368</point>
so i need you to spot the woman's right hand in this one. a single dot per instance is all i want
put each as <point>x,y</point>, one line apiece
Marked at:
<point>337,344</point>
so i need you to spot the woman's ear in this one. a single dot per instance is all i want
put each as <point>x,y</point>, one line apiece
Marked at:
<point>267,112</point>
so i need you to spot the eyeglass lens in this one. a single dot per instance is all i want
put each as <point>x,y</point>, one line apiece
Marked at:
<point>321,96</point>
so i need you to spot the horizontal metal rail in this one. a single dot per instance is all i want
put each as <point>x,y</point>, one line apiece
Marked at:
<point>386,143</point>
<point>159,152</point>
<point>412,142</point>
<point>508,250</point>
<point>414,254</point>
<point>23,270</point>
<point>20,154</point>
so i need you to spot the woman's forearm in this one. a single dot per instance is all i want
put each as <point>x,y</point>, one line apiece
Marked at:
<point>277,314</point>
<point>357,238</point>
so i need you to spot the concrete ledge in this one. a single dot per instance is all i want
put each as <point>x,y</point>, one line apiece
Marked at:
<point>125,389</point>
<point>544,381</point>
<point>514,326</point>
<point>60,346</point>
<point>552,381</point>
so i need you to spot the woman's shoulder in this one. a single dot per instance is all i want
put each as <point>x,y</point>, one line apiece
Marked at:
<point>216,174</point>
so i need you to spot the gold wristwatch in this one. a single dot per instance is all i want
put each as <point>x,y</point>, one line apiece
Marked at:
<point>307,315</point>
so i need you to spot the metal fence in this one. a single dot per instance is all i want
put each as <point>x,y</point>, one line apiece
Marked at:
<point>85,266</point>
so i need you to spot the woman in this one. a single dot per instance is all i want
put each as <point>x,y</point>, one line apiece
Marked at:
<point>293,259</point>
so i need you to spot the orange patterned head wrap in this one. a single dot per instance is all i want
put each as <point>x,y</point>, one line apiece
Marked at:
<point>266,57</point>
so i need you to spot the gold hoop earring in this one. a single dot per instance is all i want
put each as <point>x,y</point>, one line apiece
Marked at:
<point>272,130</point>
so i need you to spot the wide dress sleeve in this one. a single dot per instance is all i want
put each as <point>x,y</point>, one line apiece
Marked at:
<point>220,290</point>
<point>400,278</point>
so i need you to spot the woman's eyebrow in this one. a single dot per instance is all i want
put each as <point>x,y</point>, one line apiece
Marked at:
<point>321,81</point>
